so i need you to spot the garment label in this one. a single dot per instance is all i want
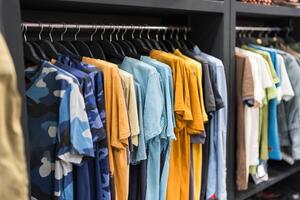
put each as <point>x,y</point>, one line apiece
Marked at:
<point>261,171</point>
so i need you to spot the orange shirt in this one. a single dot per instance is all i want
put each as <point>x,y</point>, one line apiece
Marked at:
<point>197,67</point>
<point>117,125</point>
<point>189,120</point>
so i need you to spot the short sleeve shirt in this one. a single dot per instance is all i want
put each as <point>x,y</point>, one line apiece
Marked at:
<point>117,124</point>
<point>166,78</point>
<point>59,131</point>
<point>152,96</point>
<point>130,97</point>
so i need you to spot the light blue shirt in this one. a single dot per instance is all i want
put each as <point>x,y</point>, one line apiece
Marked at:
<point>151,93</point>
<point>216,181</point>
<point>290,123</point>
<point>156,182</point>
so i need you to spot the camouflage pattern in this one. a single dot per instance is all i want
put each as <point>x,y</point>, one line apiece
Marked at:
<point>101,162</point>
<point>59,131</point>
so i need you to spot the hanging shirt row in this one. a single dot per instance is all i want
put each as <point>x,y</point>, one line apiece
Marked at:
<point>267,106</point>
<point>148,128</point>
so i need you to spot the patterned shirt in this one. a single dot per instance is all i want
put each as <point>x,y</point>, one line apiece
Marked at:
<point>59,131</point>
<point>101,164</point>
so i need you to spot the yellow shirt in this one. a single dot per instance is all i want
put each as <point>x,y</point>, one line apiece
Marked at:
<point>182,106</point>
<point>117,125</point>
<point>188,118</point>
<point>13,170</point>
<point>199,75</point>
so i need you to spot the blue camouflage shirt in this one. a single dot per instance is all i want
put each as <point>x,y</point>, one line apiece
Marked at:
<point>59,131</point>
<point>100,171</point>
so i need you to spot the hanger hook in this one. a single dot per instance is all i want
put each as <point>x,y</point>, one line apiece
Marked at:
<point>185,33</point>
<point>148,31</point>
<point>110,35</point>
<point>118,30</point>
<point>171,33</point>
<point>50,33</point>
<point>156,34</point>
<point>24,33</point>
<point>177,33</point>
<point>122,36</point>
<point>142,30</point>
<point>164,34</point>
<point>65,31</point>
<point>95,31</point>
<point>102,33</point>
<point>132,34</point>
<point>40,33</point>
<point>75,36</point>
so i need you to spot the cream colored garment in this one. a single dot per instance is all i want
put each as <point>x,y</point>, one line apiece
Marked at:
<point>13,171</point>
<point>130,98</point>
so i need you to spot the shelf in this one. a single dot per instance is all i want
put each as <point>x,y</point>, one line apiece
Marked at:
<point>213,6</point>
<point>277,172</point>
<point>260,10</point>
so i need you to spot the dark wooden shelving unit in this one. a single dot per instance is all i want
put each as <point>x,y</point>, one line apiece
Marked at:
<point>213,24</point>
<point>261,10</point>
<point>154,5</point>
<point>277,173</point>
<point>246,14</point>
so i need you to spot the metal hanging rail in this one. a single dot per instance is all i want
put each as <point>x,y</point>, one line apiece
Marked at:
<point>253,28</point>
<point>106,27</point>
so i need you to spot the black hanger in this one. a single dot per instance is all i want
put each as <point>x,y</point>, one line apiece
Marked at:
<point>82,48</point>
<point>39,51</point>
<point>139,45</point>
<point>123,46</point>
<point>189,44</point>
<point>117,45</point>
<point>95,47</point>
<point>132,47</point>
<point>96,50</point>
<point>59,47</point>
<point>31,57</point>
<point>175,41</point>
<point>127,49</point>
<point>163,46</point>
<point>67,44</point>
<point>168,44</point>
<point>111,53</point>
<point>145,40</point>
<point>155,42</point>
<point>242,40</point>
<point>46,46</point>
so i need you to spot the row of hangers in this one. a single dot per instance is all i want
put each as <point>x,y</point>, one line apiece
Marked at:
<point>114,49</point>
<point>266,36</point>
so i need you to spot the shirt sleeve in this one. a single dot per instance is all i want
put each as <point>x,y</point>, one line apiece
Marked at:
<point>75,138</point>
<point>248,82</point>
<point>133,113</point>
<point>120,131</point>
<point>197,125</point>
<point>286,87</point>
<point>153,108</point>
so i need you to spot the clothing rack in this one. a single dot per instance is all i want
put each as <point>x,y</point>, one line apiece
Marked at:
<point>104,27</point>
<point>262,29</point>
